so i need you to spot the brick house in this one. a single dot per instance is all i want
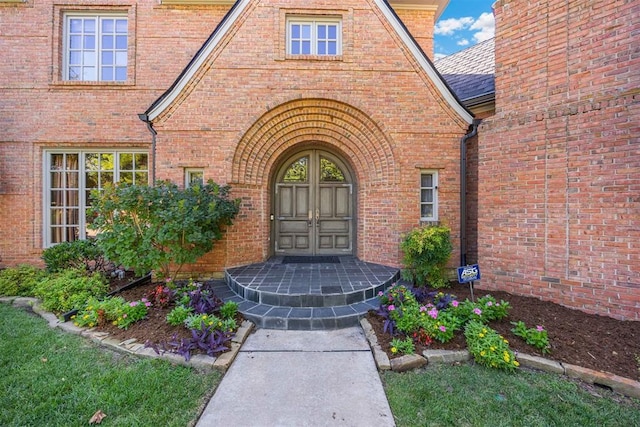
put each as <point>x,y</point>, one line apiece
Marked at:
<point>331,123</point>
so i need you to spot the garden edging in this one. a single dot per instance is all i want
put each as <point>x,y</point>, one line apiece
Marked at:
<point>625,386</point>
<point>132,346</point>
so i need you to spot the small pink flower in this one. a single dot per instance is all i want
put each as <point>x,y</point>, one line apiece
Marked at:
<point>433,313</point>
<point>124,316</point>
<point>489,304</point>
<point>477,311</point>
<point>429,305</point>
<point>423,308</point>
<point>391,307</point>
<point>133,303</point>
<point>380,294</point>
<point>147,304</point>
<point>454,303</point>
<point>539,328</point>
<point>443,329</point>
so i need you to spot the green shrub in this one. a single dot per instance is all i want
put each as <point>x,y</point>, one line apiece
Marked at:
<point>155,228</point>
<point>77,254</point>
<point>21,280</point>
<point>426,253</point>
<point>70,289</point>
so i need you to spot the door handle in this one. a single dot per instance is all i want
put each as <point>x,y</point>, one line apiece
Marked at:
<point>310,218</point>
<point>317,217</point>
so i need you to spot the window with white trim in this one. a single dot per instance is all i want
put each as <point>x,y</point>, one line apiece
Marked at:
<point>429,196</point>
<point>193,176</point>
<point>69,179</point>
<point>314,36</point>
<point>95,47</point>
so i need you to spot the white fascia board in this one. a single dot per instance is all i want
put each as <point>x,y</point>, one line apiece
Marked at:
<point>198,61</point>
<point>424,63</point>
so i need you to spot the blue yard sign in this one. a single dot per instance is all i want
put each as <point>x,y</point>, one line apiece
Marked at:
<point>468,273</point>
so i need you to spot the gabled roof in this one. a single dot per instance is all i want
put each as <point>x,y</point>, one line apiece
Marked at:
<point>167,98</point>
<point>471,72</point>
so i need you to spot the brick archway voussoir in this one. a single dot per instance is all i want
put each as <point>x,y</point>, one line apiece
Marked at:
<point>321,120</point>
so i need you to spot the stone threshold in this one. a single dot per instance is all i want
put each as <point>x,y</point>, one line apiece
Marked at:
<point>622,385</point>
<point>132,346</point>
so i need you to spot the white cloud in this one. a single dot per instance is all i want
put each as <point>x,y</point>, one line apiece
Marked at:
<point>486,25</point>
<point>449,26</point>
<point>462,42</point>
<point>439,56</point>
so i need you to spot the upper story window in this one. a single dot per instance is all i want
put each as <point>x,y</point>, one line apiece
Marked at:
<point>95,47</point>
<point>429,196</point>
<point>314,36</point>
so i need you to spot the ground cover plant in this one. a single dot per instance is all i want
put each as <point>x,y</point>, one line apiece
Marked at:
<point>52,378</point>
<point>473,395</point>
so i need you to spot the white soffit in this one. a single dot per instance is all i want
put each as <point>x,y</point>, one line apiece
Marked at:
<point>438,5</point>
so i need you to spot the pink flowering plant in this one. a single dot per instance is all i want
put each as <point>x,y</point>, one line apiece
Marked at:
<point>536,337</point>
<point>422,316</point>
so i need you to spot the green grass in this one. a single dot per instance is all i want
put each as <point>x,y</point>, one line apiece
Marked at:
<point>476,396</point>
<point>52,378</point>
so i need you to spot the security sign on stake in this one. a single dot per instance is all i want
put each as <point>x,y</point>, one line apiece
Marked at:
<point>469,273</point>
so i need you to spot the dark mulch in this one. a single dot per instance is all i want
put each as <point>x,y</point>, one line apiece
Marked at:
<point>577,338</point>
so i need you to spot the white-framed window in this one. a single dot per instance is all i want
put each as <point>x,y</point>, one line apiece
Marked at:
<point>429,196</point>
<point>193,176</point>
<point>314,36</point>
<point>69,178</point>
<point>95,47</point>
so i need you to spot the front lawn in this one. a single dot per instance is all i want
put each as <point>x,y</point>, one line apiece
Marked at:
<point>52,378</point>
<point>473,395</point>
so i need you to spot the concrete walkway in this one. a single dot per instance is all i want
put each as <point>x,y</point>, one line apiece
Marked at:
<point>301,378</point>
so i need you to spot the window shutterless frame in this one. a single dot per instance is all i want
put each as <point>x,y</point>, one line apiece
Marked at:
<point>95,47</point>
<point>193,176</point>
<point>69,177</point>
<point>314,36</point>
<point>429,196</point>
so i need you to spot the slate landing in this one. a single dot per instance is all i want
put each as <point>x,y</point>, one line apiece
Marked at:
<point>306,295</point>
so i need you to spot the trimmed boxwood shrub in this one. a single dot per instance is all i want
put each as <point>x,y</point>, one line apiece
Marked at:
<point>21,280</point>
<point>70,289</point>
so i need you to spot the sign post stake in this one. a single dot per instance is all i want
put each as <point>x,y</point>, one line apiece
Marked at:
<point>471,290</point>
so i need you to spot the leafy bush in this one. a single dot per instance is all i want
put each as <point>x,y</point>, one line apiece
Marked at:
<point>77,254</point>
<point>21,280</point>
<point>70,289</point>
<point>488,347</point>
<point>153,228</point>
<point>426,253</point>
<point>536,337</point>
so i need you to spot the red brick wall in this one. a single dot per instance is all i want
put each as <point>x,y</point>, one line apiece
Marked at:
<point>39,111</point>
<point>385,117</point>
<point>559,165</point>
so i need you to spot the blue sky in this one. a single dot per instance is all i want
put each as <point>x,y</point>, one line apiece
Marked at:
<point>463,24</point>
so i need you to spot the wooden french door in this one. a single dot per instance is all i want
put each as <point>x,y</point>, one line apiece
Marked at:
<point>314,206</point>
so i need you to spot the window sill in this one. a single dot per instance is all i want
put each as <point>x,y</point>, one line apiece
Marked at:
<point>71,84</point>
<point>313,57</point>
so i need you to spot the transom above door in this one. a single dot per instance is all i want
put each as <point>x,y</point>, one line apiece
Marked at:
<point>313,205</point>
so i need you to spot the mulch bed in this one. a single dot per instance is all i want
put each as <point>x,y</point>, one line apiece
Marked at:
<point>578,338</point>
<point>591,341</point>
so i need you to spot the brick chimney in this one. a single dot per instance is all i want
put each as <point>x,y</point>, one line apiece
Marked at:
<point>419,16</point>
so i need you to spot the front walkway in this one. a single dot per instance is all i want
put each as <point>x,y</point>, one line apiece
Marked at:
<point>308,295</point>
